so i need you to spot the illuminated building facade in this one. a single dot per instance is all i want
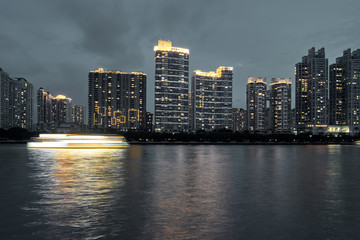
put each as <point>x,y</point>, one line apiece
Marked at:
<point>171,88</point>
<point>21,102</point>
<point>211,99</point>
<point>302,96</point>
<point>337,108</point>
<point>149,122</point>
<point>4,100</point>
<point>280,105</point>
<point>293,120</point>
<point>61,109</point>
<point>117,100</point>
<point>44,110</point>
<point>16,101</point>
<point>239,120</point>
<point>311,93</point>
<point>78,115</point>
<point>56,114</point>
<point>345,91</point>
<point>256,104</point>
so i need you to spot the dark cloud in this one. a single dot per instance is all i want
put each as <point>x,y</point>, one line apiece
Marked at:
<point>56,43</point>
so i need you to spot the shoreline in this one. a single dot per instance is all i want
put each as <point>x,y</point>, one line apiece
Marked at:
<point>14,141</point>
<point>210,143</point>
<point>242,143</point>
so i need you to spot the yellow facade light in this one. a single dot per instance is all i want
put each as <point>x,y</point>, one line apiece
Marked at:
<point>257,80</point>
<point>101,70</point>
<point>213,74</point>
<point>281,81</point>
<point>167,46</point>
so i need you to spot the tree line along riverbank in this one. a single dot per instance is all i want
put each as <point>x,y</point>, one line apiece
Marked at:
<point>216,137</point>
<point>224,137</point>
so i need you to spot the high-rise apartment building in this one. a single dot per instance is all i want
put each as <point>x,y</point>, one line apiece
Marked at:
<point>344,91</point>
<point>21,103</point>
<point>117,100</point>
<point>44,111</point>
<point>256,104</point>
<point>337,105</point>
<point>4,99</point>
<point>61,109</point>
<point>293,120</point>
<point>239,120</point>
<point>57,114</point>
<point>280,105</point>
<point>171,88</point>
<point>211,99</point>
<point>149,122</point>
<point>302,97</point>
<point>78,115</point>
<point>311,92</point>
<point>15,102</point>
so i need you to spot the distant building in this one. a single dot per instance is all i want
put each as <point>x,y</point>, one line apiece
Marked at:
<point>61,109</point>
<point>256,104</point>
<point>56,114</point>
<point>5,80</point>
<point>16,101</point>
<point>239,120</point>
<point>345,91</point>
<point>78,115</point>
<point>293,120</point>
<point>4,99</point>
<point>171,88</point>
<point>280,105</point>
<point>149,122</point>
<point>44,111</point>
<point>311,93</point>
<point>267,118</point>
<point>211,99</point>
<point>117,100</point>
<point>190,114</point>
<point>337,89</point>
<point>61,114</point>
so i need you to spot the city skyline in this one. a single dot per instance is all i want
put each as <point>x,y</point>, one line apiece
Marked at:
<point>117,98</point>
<point>61,45</point>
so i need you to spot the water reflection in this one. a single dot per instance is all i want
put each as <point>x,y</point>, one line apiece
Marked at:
<point>76,189</point>
<point>189,187</point>
<point>194,192</point>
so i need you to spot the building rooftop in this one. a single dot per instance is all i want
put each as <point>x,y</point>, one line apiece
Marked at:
<point>280,81</point>
<point>101,70</point>
<point>165,45</point>
<point>62,97</point>
<point>256,80</point>
<point>218,72</point>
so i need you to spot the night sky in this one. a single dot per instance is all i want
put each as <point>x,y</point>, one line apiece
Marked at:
<point>55,43</point>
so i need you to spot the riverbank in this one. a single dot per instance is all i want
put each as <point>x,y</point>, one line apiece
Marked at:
<point>13,141</point>
<point>210,143</point>
<point>241,143</point>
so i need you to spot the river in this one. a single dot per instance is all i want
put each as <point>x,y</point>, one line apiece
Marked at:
<point>181,192</point>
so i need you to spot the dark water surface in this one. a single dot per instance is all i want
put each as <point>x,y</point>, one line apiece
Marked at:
<point>181,192</point>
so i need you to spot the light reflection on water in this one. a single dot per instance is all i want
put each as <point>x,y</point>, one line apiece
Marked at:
<point>184,192</point>
<point>188,195</point>
<point>76,188</point>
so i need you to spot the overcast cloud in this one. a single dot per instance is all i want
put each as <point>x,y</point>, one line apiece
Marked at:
<point>54,44</point>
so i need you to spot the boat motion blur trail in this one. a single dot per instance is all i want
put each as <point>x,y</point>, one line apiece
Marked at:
<point>77,141</point>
